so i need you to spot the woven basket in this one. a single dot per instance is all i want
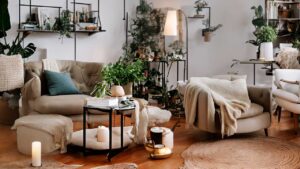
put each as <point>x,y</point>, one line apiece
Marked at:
<point>11,72</point>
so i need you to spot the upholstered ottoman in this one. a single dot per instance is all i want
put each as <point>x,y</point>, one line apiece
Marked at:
<point>53,131</point>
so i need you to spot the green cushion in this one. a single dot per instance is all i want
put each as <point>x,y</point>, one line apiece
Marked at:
<point>60,84</point>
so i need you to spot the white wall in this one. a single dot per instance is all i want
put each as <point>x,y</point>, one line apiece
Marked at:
<point>101,47</point>
<point>228,43</point>
<point>206,59</point>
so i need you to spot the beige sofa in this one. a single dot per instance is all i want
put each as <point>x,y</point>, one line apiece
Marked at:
<point>258,117</point>
<point>34,93</point>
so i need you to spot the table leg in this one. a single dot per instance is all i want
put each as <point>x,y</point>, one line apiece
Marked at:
<point>122,129</point>
<point>109,155</point>
<point>84,131</point>
<point>254,72</point>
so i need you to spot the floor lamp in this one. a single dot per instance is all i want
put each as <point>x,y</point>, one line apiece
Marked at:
<point>171,29</point>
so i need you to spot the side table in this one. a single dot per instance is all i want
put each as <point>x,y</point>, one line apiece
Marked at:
<point>109,110</point>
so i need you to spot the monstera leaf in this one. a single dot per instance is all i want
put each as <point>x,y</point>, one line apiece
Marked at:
<point>4,18</point>
<point>17,48</point>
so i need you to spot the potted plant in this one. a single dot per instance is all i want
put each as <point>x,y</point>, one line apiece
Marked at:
<point>63,25</point>
<point>177,53</point>
<point>208,31</point>
<point>265,37</point>
<point>123,74</point>
<point>199,5</point>
<point>258,21</point>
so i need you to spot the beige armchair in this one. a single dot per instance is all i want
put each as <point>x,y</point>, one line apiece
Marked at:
<point>258,117</point>
<point>287,92</point>
<point>35,98</point>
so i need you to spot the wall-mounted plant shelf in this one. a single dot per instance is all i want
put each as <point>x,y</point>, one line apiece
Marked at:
<point>89,32</point>
<point>89,17</point>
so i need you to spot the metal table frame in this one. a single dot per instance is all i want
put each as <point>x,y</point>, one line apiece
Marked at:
<point>110,110</point>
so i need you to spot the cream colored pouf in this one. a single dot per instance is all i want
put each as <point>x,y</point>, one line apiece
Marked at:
<point>53,131</point>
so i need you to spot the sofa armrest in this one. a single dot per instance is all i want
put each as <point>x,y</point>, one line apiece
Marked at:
<point>32,88</point>
<point>261,96</point>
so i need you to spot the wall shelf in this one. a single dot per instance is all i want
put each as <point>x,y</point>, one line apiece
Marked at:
<point>97,20</point>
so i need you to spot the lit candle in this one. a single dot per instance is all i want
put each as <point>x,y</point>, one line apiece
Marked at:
<point>36,154</point>
<point>103,134</point>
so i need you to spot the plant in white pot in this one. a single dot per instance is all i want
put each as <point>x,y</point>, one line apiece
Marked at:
<point>266,35</point>
<point>120,75</point>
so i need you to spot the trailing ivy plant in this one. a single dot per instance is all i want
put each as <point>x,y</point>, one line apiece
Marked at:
<point>63,25</point>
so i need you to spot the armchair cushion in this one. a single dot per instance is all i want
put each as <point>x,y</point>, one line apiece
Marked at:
<point>254,110</point>
<point>286,95</point>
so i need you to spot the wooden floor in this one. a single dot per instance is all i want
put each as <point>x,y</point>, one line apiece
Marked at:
<point>183,139</point>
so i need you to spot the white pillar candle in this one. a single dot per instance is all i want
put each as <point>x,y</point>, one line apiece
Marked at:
<point>103,134</point>
<point>36,154</point>
<point>168,138</point>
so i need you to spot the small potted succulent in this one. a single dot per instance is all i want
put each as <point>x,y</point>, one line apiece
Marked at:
<point>208,31</point>
<point>199,5</point>
<point>266,35</point>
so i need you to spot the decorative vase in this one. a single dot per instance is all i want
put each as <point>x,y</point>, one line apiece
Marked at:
<point>128,88</point>
<point>207,36</point>
<point>266,51</point>
<point>117,91</point>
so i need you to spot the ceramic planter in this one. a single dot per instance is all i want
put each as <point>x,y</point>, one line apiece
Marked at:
<point>117,91</point>
<point>207,36</point>
<point>266,51</point>
<point>128,88</point>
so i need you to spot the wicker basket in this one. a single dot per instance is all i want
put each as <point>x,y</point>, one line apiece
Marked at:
<point>11,72</point>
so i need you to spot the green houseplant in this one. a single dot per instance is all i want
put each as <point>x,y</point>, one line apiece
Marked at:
<point>208,31</point>
<point>16,46</point>
<point>199,5</point>
<point>265,37</point>
<point>63,25</point>
<point>121,73</point>
<point>258,21</point>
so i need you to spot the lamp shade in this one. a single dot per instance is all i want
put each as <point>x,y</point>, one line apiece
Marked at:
<point>171,25</point>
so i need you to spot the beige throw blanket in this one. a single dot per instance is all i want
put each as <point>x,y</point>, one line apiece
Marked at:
<point>61,128</point>
<point>202,94</point>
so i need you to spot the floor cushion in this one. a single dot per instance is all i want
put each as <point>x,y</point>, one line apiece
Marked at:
<point>91,139</point>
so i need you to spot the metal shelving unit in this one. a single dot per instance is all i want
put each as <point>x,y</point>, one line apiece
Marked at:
<point>74,31</point>
<point>289,25</point>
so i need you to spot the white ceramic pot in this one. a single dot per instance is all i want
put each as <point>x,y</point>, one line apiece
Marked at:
<point>266,51</point>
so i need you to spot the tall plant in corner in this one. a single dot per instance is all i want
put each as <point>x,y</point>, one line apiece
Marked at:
<point>16,46</point>
<point>258,21</point>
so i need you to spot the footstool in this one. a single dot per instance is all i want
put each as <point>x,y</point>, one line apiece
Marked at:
<point>53,131</point>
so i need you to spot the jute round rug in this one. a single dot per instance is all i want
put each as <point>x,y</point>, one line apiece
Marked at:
<point>26,164</point>
<point>262,153</point>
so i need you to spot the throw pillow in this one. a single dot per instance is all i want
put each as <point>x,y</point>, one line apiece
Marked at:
<point>60,84</point>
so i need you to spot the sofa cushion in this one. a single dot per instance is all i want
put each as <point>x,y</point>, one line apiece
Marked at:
<point>254,110</point>
<point>63,104</point>
<point>60,83</point>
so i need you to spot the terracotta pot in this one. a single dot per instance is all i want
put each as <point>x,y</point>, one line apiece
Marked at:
<point>128,88</point>
<point>207,36</point>
<point>117,91</point>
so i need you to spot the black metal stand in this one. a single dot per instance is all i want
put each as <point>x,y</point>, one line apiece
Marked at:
<point>111,152</point>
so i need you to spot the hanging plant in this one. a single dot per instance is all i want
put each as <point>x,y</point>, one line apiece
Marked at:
<point>63,25</point>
